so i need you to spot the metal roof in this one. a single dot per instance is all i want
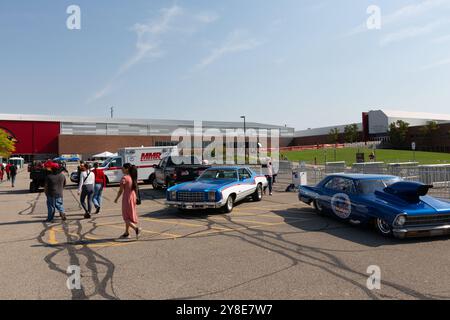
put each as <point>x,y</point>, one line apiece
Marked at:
<point>180,123</point>
<point>415,115</point>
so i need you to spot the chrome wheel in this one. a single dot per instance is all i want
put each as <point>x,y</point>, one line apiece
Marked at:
<point>257,196</point>
<point>383,227</point>
<point>318,206</point>
<point>229,205</point>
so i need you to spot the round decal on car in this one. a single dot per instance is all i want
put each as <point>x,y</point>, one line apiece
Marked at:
<point>341,205</point>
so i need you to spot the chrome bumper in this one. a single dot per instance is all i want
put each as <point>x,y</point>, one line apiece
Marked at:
<point>422,231</point>
<point>193,205</point>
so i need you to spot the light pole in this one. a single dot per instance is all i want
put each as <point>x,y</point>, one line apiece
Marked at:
<point>245,139</point>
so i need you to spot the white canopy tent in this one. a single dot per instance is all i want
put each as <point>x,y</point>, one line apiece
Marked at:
<point>104,155</point>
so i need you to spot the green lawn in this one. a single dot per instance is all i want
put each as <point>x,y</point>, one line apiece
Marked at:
<point>349,156</point>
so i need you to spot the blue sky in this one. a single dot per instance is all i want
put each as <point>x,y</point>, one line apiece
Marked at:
<point>297,62</point>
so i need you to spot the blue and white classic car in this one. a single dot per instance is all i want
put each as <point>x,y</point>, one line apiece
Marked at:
<point>396,207</point>
<point>217,188</point>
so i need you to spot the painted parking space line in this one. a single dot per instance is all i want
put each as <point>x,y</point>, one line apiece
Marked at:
<point>186,224</point>
<point>98,242</point>
<point>52,236</point>
<point>212,229</point>
<point>165,234</point>
<point>243,220</point>
<point>242,228</point>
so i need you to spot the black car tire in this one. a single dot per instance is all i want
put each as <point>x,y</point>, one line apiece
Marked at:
<point>33,187</point>
<point>154,183</point>
<point>258,194</point>
<point>229,205</point>
<point>318,207</point>
<point>383,227</point>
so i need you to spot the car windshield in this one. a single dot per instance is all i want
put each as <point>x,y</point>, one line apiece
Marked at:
<point>370,186</point>
<point>219,174</point>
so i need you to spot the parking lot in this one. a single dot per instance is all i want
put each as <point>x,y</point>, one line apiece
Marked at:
<point>274,249</point>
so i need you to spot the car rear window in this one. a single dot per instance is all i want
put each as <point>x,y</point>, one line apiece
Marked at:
<point>370,186</point>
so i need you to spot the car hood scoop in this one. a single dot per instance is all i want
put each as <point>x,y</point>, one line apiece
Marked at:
<point>408,191</point>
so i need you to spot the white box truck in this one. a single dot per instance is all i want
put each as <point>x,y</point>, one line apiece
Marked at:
<point>144,158</point>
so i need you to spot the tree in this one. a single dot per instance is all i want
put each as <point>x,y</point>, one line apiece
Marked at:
<point>6,144</point>
<point>430,129</point>
<point>351,133</point>
<point>398,132</point>
<point>334,135</point>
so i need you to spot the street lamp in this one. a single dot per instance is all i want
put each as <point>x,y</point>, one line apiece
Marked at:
<point>245,139</point>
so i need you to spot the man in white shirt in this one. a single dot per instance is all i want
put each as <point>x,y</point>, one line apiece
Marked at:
<point>86,189</point>
<point>269,174</point>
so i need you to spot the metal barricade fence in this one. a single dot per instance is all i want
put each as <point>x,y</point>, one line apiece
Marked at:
<point>436,175</point>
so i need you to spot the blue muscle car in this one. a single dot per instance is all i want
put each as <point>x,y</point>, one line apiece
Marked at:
<point>396,207</point>
<point>217,187</point>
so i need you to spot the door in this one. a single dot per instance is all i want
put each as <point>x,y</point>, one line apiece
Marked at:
<point>114,172</point>
<point>340,196</point>
<point>246,183</point>
<point>160,171</point>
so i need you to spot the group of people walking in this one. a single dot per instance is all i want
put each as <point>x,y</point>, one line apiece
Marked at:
<point>92,182</point>
<point>11,172</point>
<point>90,188</point>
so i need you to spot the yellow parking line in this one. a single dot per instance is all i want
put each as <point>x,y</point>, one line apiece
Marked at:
<point>264,208</point>
<point>193,225</point>
<point>52,236</point>
<point>241,229</point>
<point>169,235</point>
<point>244,220</point>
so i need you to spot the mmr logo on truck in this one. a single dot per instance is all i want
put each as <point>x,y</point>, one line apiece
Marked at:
<point>150,156</point>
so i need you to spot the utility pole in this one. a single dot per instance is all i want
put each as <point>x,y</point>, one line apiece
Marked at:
<point>245,139</point>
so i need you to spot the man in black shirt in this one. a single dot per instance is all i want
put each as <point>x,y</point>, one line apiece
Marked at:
<point>54,187</point>
<point>13,174</point>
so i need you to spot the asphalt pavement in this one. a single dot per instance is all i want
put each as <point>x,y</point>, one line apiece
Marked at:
<point>274,249</point>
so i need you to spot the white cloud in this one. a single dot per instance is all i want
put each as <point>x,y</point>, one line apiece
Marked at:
<point>404,13</point>
<point>436,64</point>
<point>441,39</point>
<point>151,35</point>
<point>409,33</point>
<point>237,41</point>
<point>207,17</point>
<point>414,10</point>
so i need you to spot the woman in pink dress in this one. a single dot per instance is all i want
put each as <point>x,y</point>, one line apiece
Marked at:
<point>128,191</point>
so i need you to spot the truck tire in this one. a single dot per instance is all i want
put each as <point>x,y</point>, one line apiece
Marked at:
<point>154,183</point>
<point>34,187</point>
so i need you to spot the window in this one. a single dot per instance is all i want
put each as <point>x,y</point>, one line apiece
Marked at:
<point>244,174</point>
<point>370,186</point>
<point>219,174</point>
<point>341,184</point>
<point>117,162</point>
